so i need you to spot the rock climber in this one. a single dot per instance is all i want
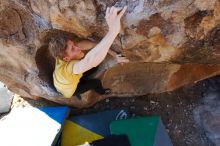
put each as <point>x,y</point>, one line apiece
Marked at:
<point>73,66</point>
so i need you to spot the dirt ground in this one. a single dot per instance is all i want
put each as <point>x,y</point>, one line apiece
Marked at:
<point>175,109</point>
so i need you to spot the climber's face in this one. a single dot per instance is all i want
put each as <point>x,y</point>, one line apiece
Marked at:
<point>72,52</point>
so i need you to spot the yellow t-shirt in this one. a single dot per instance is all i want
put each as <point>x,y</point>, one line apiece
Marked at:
<point>64,80</point>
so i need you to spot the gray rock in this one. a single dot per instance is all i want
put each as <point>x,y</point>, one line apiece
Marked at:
<point>207,116</point>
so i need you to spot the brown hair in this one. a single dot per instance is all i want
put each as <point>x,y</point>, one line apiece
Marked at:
<point>57,46</point>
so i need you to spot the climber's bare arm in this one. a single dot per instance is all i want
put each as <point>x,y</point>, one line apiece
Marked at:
<point>95,56</point>
<point>86,44</point>
<point>118,57</point>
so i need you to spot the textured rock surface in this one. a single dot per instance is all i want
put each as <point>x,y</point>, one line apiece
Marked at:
<point>170,43</point>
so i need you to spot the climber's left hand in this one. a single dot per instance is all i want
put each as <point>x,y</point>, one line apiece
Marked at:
<point>121,59</point>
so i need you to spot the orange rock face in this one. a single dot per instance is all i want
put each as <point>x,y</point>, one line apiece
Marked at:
<point>169,44</point>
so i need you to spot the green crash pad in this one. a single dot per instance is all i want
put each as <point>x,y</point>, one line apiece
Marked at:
<point>142,131</point>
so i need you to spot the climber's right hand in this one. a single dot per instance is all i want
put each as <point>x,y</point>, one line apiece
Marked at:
<point>113,18</point>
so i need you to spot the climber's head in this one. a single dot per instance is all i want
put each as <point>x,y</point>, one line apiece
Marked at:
<point>72,52</point>
<point>65,49</point>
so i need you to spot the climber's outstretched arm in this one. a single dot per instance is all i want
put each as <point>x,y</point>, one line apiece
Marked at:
<point>94,57</point>
<point>86,44</point>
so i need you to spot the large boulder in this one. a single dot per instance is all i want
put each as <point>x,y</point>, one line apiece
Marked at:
<point>170,43</point>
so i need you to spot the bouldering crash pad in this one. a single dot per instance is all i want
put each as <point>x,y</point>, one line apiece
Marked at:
<point>142,131</point>
<point>87,128</point>
<point>32,126</point>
